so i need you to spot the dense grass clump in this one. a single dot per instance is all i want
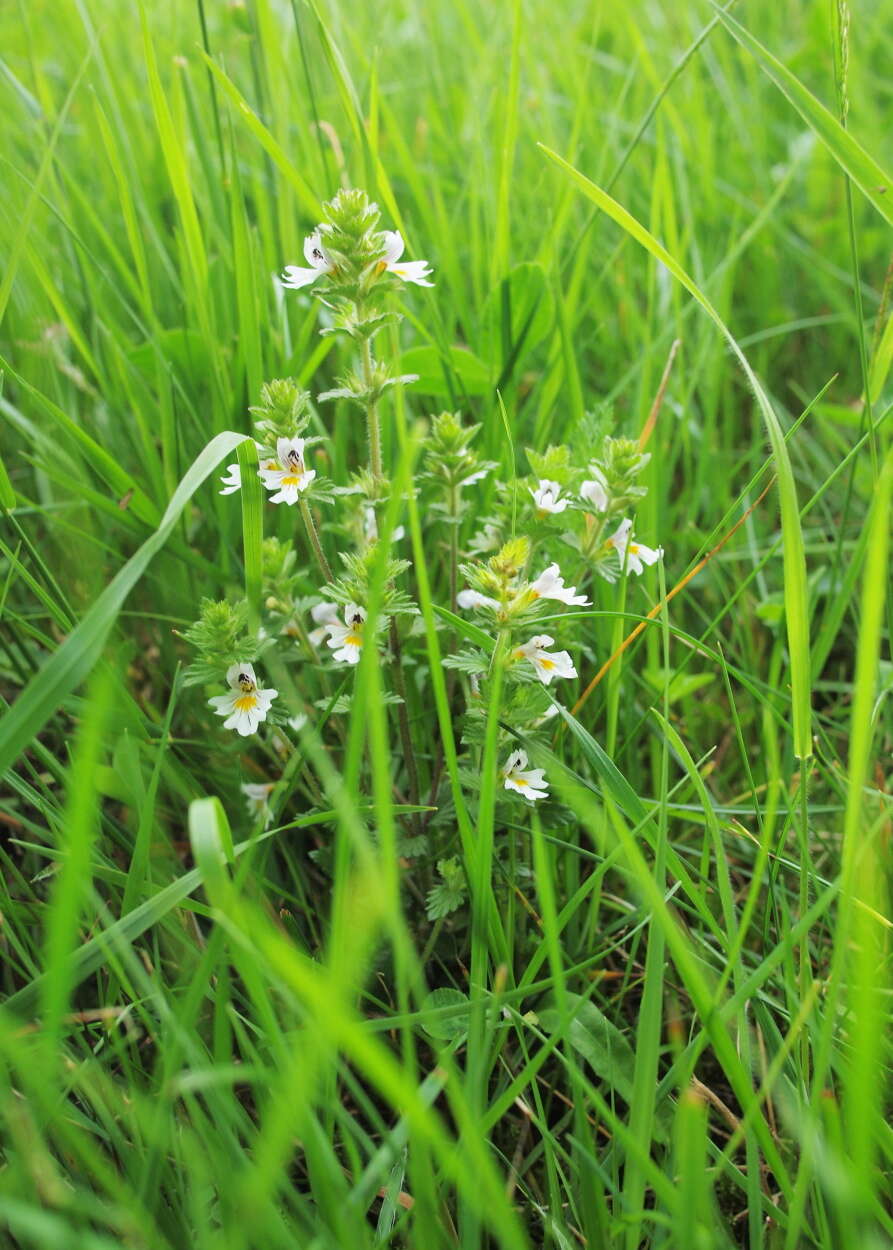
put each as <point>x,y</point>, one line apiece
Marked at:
<point>446,645</point>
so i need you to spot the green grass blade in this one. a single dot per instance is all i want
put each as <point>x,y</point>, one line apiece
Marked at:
<point>252,496</point>
<point>72,887</point>
<point>864,170</point>
<point>73,660</point>
<point>795,585</point>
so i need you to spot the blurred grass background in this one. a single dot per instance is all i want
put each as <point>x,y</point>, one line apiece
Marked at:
<point>258,1081</point>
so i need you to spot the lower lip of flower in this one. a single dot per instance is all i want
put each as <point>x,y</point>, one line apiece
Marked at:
<point>246,702</point>
<point>353,640</point>
<point>547,664</point>
<point>292,481</point>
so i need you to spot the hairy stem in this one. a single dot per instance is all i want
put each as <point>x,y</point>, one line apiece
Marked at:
<point>373,426</point>
<point>313,535</point>
<point>454,545</point>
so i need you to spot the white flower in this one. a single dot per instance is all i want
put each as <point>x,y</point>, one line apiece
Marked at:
<point>245,706</point>
<point>256,800</point>
<point>287,474</point>
<point>594,491</point>
<point>346,640</point>
<point>546,664</point>
<point>323,614</point>
<point>486,539</point>
<point>417,271</point>
<point>474,599</point>
<point>632,555</point>
<point>315,254</point>
<point>531,784</point>
<point>477,476</point>
<point>233,480</point>
<point>546,497</point>
<point>550,585</point>
<point>546,716</point>
<point>279,741</point>
<point>370,527</point>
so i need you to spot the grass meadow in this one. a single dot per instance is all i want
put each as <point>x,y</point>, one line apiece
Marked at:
<point>386,998</point>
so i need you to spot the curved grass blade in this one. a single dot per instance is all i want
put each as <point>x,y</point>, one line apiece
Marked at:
<point>73,880</point>
<point>864,170</point>
<point>271,146</point>
<point>94,953</point>
<point>252,528</point>
<point>796,595</point>
<point>69,665</point>
<point>100,460</point>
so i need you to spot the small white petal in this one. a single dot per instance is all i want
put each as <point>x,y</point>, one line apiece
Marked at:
<point>393,247</point>
<point>233,479</point>
<point>314,252</point>
<point>593,492</point>
<point>475,477</point>
<point>474,599</point>
<point>237,674</point>
<point>324,612</point>
<point>294,277</point>
<point>416,271</point>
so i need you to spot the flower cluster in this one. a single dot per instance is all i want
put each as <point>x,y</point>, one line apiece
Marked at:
<point>590,502</point>
<point>523,555</point>
<point>280,419</point>
<point>324,259</point>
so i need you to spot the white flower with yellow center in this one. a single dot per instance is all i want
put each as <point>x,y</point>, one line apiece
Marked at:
<point>287,475</point>
<point>346,640</point>
<point>474,599</point>
<point>257,797</point>
<point>633,556</point>
<point>315,254</point>
<point>594,491</point>
<point>245,706</point>
<point>547,664</point>
<point>417,271</point>
<point>547,497</point>
<point>323,615</point>
<point>550,585</point>
<point>531,784</point>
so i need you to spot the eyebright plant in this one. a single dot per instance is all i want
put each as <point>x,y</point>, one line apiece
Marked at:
<point>523,550</point>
